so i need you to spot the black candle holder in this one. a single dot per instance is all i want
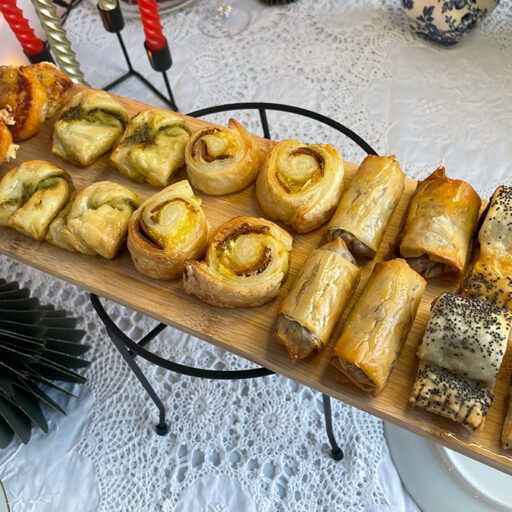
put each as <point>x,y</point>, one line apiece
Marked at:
<point>42,56</point>
<point>130,349</point>
<point>160,60</point>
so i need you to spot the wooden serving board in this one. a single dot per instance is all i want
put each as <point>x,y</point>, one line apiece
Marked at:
<point>248,331</point>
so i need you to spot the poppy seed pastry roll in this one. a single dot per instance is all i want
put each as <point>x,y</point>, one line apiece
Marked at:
<point>317,299</point>
<point>489,277</point>
<point>378,325</point>
<point>89,125</point>
<point>367,205</point>
<point>441,218</point>
<point>300,184</point>
<point>460,355</point>
<point>222,160</point>
<point>152,148</point>
<point>245,265</point>
<point>97,220</point>
<point>31,196</point>
<point>169,228</point>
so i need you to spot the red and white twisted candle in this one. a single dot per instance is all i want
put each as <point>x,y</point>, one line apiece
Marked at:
<point>155,40</point>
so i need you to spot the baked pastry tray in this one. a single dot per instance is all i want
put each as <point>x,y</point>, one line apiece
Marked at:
<point>248,331</point>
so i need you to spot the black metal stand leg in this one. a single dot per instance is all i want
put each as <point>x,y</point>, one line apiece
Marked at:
<point>336,451</point>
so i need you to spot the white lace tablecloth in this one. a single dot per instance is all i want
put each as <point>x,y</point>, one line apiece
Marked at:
<point>260,445</point>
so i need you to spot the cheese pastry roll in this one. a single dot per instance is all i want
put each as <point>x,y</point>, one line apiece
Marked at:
<point>31,196</point>
<point>169,228</point>
<point>441,218</point>
<point>97,221</point>
<point>89,125</point>
<point>300,184</point>
<point>460,356</point>
<point>245,265</point>
<point>367,205</point>
<point>7,148</point>
<point>152,148</point>
<point>378,325</point>
<point>222,160</point>
<point>506,435</point>
<point>26,97</point>
<point>317,299</point>
<point>489,277</point>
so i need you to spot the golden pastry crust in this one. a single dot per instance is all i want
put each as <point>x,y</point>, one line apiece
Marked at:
<point>450,395</point>
<point>506,434</point>
<point>97,221</point>
<point>54,82</point>
<point>54,235</point>
<point>7,148</point>
<point>378,325</point>
<point>152,148</point>
<point>367,205</point>
<point>31,196</point>
<point>27,98</point>
<point>222,160</point>
<point>300,184</point>
<point>317,299</point>
<point>489,277</point>
<point>169,228</point>
<point>246,263</point>
<point>442,216</point>
<point>89,125</point>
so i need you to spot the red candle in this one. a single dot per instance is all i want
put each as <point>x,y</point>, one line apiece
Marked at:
<point>19,25</point>
<point>155,40</point>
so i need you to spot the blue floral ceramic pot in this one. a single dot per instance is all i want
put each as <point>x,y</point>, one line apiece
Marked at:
<point>446,21</point>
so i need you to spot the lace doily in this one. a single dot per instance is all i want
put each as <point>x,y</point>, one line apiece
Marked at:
<point>260,444</point>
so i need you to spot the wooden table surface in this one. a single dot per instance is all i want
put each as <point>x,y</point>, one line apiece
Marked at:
<point>248,331</point>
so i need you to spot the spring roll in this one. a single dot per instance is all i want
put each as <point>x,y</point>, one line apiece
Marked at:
<point>378,325</point>
<point>317,299</point>
<point>367,205</point>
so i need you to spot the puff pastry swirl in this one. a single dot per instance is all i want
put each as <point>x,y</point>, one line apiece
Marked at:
<point>89,125</point>
<point>460,356</point>
<point>246,263</point>
<point>169,228</point>
<point>317,299</point>
<point>378,324</point>
<point>489,277</point>
<point>367,205</point>
<point>31,196</point>
<point>97,220</point>
<point>300,184</point>
<point>152,148</point>
<point>222,160</point>
<point>441,218</point>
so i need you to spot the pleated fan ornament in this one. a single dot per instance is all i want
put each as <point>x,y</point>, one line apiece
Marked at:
<point>38,344</point>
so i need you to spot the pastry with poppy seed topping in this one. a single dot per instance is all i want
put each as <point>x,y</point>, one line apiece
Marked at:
<point>460,356</point>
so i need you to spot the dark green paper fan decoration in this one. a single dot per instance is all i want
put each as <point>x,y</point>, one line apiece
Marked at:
<point>38,344</point>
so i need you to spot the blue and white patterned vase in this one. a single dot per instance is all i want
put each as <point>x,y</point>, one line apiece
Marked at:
<point>445,22</point>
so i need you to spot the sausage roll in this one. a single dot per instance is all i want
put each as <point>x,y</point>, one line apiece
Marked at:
<point>222,160</point>
<point>300,184</point>
<point>317,299</point>
<point>378,325</point>
<point>246,263</point>
<point>152,148</point>
<point>7,148</point>
<point>54,82</point>
<point>97,221</point>
<point>88,127</point>
<point>506,434</point>
<point>367,205</point>
<point>441,218</point>
<point>489,277</point>
<point>460,356</point>
<point>31,196</point>
<point>26,97</point>
<point>169,228</point>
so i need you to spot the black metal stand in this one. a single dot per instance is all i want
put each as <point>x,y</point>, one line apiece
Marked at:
<point>130,349</point>
<point>161,61</point>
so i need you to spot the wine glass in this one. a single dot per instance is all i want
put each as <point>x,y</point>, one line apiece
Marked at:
<point>223,19</point>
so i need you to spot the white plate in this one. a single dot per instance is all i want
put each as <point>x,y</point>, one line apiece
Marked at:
<point>441,480</point>
<point>4,506</point>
